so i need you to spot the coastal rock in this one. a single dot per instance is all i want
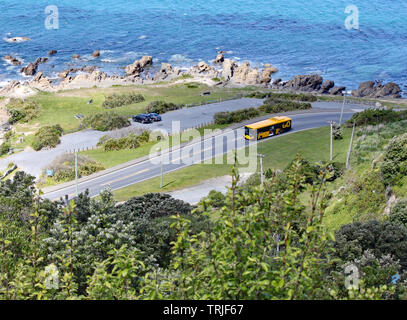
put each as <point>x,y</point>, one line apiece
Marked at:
<point>220,58</point>
<point>30,70</point>
<point>277,82</point>
<point>76,56</point>
<point>138,66</point>
<point>52,52</point>
<point>17,39</point>
<point>41,82</point>
<point>14,61</point>
<point>337,91</point>
<point>228,70</point>
<point>327,85</point>
<point>305,83</point>
<point>372,89</point>
<point>96,54</point>
<point>63,74</point>
<point>266,73</point>
<point>203,69</point>
<point>166,72</point>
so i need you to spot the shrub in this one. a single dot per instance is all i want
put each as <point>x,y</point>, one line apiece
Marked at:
<point>394,163</point>
<point>22,111</point>
<point>130,142</point>
<point>64,167</point>
<point>283,96</point>
<point>235,116</point>
<point>4,148</point>
<point>272,105</point>
<point>398,214</point>
<point>47,136</point>
<point>116,100</point>
<point>162,107</point>
<point>106,121</point>
<point>216,199</point>
<point>376,116</point>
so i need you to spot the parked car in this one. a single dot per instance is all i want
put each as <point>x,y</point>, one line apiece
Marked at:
<point>142,118</point>
<point>155,116</point>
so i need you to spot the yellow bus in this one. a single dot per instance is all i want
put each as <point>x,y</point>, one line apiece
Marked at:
<point>267,128</point>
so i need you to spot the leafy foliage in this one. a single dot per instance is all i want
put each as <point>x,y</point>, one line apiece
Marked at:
<point>376,116</point>
<point>235,116</point>
<point>132,141</point>
<point>394,164</point>
<point>119,100</point>
<point>162,107</point>
<point>47,137</point>
<point>273,105</point>
<point>398,214</point>
<point>22,110</point>
<point>283,96</point>
<point>106,121</point>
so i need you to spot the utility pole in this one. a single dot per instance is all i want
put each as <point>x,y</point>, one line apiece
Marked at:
<point>331,148</point>
<point>261,156</point>
<point>343,107</point>
<point>350,147</point>
<point>162,173</point>
<point>76,172</point>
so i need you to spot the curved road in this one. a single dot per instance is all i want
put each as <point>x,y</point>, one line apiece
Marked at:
<point>201,150</point>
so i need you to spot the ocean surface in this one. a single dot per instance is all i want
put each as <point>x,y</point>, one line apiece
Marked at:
<point>297,36</point>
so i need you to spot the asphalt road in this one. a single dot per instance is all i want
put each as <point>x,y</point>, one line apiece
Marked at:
<point>188,155</point>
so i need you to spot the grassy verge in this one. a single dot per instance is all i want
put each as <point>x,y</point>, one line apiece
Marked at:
<point>60,108</point>
<point>313,145</point>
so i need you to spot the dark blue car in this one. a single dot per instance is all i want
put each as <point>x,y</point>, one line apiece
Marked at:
<point>155,116</point>
<point>142,118</point>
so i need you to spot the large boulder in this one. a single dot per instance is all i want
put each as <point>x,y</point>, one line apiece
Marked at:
<point>96,54</point>
<point>30,70</point>
<point>228,70</point>
<point>220,57</point>
<point>244,74</point>
<point>166,71</point>
<point>138,66</point>
<point>52,52</point>
<point>337,91</point>
<point>327,85</point>
<point>371,89</point>
<point>305,83</point>
<point>266,73</point>
<point>14,61</point>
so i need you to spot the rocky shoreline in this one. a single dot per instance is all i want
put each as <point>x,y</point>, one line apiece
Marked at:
<point>221,72</point>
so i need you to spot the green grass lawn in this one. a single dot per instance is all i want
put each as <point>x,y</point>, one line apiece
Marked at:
<point>60,108</point>
<point>312,144</point>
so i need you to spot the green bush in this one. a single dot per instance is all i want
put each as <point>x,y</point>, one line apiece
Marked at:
<point>283,96</point>
<point>398,214</point>
<point>273,105</point>
<point>22,111</point>
<point>47,136</point>
<point>376,116</point>
<point>162,107</point>
<point>216,199</point>
<point>130,142</point>
<point>64,167</point>
<point>394,164</point>
<point>117,100</point>
<point>4,148</point>
<point>106,121</point>
<point>229,117</point>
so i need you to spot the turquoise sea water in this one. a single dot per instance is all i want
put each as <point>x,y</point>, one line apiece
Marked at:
<point>299,37</point>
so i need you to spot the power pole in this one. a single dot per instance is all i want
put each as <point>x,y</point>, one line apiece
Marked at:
<point>261,156</point>
<point>331,149</point>
<point>162,173</point>
<point>350,147</point>
<point>76,172</point>
<point>343,107</point>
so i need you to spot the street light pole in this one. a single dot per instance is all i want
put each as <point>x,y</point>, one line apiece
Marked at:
<point>76,172</point>
<point>162,173</point>
<point>350,147</point>
<point>343,107</point>
<point>261,156</point>
<point>331,148</point>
